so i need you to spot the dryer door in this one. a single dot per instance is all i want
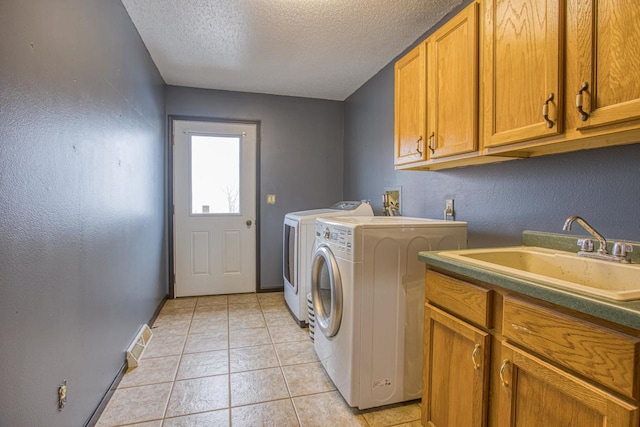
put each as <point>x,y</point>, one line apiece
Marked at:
<point>290,256</point>
<point>326,288</point>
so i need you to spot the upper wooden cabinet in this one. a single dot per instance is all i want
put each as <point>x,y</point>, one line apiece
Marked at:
<point>436,94</point>
<point>410,107</point>
<point>603,62</point>
<point>548,76</point>
<point>452,86</point>
<point>523,48</point>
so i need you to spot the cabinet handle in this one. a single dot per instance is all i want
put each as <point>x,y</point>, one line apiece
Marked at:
<point>504,383</point>
<point>419,145</point>
<point>583,114</point>
<point>432,139</point>
<point>545,111</point>
<point>476,349</point>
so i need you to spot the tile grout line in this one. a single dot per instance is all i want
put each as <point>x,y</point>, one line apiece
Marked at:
<point>295,410</point>
<point>228,408</point>
<point>173,384</point>
<point>230,416</point>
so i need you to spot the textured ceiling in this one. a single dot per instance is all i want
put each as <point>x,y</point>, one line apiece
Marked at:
<point>310,48</point>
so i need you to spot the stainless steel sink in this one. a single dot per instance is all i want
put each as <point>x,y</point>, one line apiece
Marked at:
<point>620,282</point>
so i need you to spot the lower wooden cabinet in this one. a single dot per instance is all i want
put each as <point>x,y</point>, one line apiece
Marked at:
<point>515,362</point>
<point>535,393</point>
<point>456,372</point>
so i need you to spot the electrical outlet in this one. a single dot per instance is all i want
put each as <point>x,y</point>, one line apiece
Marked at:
<point>62,395</point>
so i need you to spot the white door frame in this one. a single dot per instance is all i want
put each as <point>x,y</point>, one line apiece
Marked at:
<point>170,198</point>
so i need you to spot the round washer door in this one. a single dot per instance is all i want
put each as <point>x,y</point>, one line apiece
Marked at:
<point>326,288</point>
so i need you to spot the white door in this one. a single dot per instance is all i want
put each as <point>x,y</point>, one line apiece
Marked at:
<point>214,196</point>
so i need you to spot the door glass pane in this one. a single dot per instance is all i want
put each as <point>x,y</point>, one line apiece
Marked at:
<point>215,174</point>
<point>324,284</point>
<point>289,254</point>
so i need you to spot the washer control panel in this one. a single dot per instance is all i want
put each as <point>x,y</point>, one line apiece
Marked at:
<point>339,238</point>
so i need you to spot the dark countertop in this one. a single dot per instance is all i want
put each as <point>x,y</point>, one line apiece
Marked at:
<point>622,312</point>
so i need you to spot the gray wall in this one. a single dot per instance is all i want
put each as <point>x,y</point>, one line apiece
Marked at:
<point>499,200</point>
<point>82,251</point>
<point>300,155</point>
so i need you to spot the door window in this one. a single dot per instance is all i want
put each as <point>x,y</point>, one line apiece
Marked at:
<point>215,174</point>
<point>326,288</point>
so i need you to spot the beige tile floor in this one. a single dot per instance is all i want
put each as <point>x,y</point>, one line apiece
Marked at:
<point>236,360</point>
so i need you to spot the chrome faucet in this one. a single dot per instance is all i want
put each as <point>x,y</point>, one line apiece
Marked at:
<point>619,249</point>
<point>603,242</point>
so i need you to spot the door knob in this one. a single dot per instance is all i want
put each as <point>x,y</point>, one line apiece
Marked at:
<point>248,223</point>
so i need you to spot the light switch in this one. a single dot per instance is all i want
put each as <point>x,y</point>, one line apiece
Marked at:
<point>271,199</point>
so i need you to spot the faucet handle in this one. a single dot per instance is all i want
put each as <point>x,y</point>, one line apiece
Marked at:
<point>620,249</point>
<point>586,245</point>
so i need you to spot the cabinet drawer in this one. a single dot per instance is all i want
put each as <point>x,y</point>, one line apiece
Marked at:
<point>461,298</point>
<point>601,354</point>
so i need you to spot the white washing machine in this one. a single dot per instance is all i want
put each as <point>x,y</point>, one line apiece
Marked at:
<point>298,244</point>
<point>368,291</point>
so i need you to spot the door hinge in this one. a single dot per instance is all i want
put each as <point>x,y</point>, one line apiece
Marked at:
<point>173,209</point>
<point>174,279</point>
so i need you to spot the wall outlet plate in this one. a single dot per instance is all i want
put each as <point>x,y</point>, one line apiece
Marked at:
<point>62,395</point>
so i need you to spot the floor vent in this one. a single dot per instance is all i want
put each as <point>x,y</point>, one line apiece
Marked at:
<point>137,347</point>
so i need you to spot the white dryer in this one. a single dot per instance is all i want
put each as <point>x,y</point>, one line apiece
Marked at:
<point>298,244</point>
<point>368,291</point>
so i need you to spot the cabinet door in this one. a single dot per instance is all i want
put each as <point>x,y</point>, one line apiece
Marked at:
<point>608,56</point>
<point>522,70</point>
<point>456,368</point>
<point>452,88</point>
<point>534,393</point>
<point>410,107</point>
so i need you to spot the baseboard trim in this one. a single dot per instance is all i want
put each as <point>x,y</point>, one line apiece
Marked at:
<point>93,419</point>
<point>107,396</point>
<point>157,312</point>
<point>268,290</point>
